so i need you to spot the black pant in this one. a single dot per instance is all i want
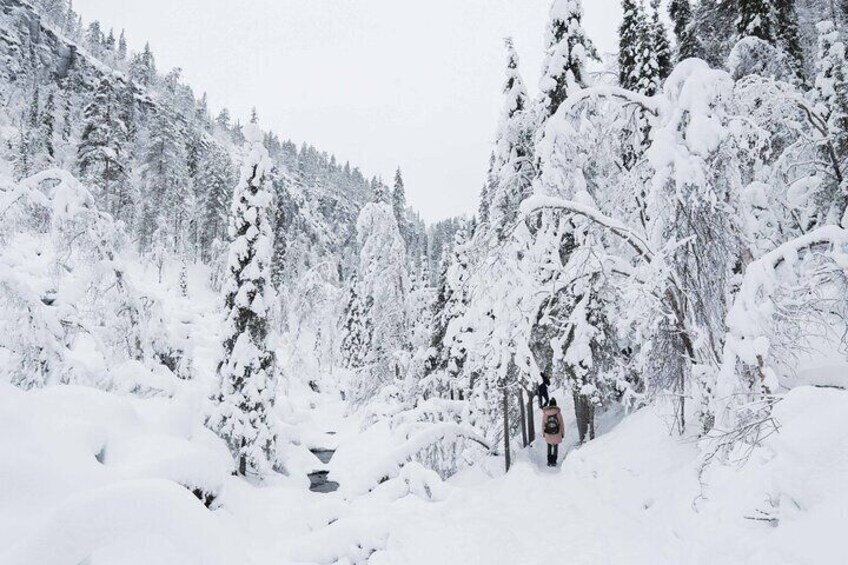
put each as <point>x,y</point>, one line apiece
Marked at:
<point>553,453</point>
<point>543,395</point>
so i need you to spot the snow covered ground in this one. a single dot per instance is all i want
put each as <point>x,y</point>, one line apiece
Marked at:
<point>97,478</point>
<point>132,477</point>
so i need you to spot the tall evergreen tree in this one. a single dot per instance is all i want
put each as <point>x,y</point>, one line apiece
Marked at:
<point>143,67</point>
<point>356,330</point>
<point>630,34</point>
<point>47,126</point>
<point>681,15</point>
<point>94,38</point>
<point>754,18</point>
<point>214,181</point>
<point>34,108</point>
<point>110,43</point>
<point>648,64</point>
<point>67,113</point>
<point>29,148</point>
<point>223,119</point>
<point>788,35</point>
<point>247,379</point>
<point>101,155</point>
<point>122,47</point>
<point>22,159</point>
<point>567,49</point>
<point>166,180</point>
<point>484,210</point>
<point>454,349</point>
<point>379,191</point>
<point>661,45</point>
<point>514,158</point>
<point>437,354</point>
<point>714,25</point>
<point>399,207</point>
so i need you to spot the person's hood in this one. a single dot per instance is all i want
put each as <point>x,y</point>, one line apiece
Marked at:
<point>552,409</point>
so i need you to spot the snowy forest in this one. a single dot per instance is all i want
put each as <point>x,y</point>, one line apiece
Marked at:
<point>221,347</point>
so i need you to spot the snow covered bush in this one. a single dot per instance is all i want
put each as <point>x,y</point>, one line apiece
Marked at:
<point>71,311</point>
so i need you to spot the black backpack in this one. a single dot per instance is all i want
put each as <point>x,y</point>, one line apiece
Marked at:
<point>552,425</point>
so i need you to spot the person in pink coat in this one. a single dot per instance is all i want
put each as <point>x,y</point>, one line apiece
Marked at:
<point>554,429</point>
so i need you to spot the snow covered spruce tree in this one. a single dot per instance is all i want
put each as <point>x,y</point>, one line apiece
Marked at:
<point>355,328</point>
<point>399,208</point>
<point>661,47</point>
<point>644,63</point>
<point>247,374</point>
<point>436,382</point>
<point>567,49</point>
<point>630,34</point>
<point>681,15</point>
<point>448,350</point>
<point>755,19</point>
<point>513,161</point>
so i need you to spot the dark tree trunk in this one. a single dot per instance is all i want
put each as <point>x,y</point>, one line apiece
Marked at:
<point>524,436</point>
<point>242,462</point>
<point>507,459</point>
<point>578,416</point>
<point>584,413</point>
<point>590,412</point>
<point>531,417</point>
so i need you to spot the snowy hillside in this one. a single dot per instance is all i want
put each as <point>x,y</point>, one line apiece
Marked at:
<point>219,348</point>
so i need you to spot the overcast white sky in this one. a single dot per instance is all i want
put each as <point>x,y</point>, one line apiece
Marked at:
<point>382,83</point>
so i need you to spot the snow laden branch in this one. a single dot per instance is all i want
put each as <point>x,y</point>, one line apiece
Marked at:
<point>414,439</point>
<point>65,196</point>
<point>748,346</point>
<point>538,203</point>
<point>647,103</point>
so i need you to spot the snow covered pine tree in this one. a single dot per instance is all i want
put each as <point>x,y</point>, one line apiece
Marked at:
<point>247,372</point>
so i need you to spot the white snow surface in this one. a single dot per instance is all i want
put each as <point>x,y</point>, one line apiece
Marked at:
<point>632,496</point>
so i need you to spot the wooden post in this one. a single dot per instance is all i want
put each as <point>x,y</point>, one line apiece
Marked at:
<point>507,459</point>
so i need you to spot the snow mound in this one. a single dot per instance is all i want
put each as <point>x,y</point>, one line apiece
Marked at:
<point>133,510</point>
